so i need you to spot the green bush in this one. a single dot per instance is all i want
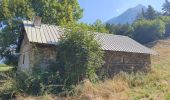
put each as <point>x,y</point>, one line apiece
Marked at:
<point>79,56</point>
<point>39,83</point>
<point>8,87</point>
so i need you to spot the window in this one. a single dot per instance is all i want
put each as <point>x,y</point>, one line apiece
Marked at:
<point>123,59</point>
<point>23,59</point>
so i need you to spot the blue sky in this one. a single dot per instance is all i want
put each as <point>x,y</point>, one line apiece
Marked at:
<point>106,9</point>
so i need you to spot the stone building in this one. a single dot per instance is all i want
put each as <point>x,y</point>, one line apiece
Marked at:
<point>121,52</point>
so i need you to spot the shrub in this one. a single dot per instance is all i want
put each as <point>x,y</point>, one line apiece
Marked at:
<point>8,87</point>
<point>79,56</point>
<point>39,83</point>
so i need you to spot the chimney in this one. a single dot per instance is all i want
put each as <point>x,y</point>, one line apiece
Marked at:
<point>37,21</point>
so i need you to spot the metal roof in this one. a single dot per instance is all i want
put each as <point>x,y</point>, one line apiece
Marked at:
<point>50,34</point>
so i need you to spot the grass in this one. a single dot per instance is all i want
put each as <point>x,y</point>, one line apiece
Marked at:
<point>4,68</point>
<point>158,87</point>
<point>153,86</point>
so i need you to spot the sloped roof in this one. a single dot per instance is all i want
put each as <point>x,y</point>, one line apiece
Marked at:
<point>50,34</point>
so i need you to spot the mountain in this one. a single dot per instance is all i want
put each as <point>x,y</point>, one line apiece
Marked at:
<point>128,16</point>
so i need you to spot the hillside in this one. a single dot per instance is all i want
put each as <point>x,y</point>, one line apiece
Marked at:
<point>128,16</point>
<point>152,86</point>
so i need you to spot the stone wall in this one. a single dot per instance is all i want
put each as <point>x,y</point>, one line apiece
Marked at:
<point>42,56</point>
<point>116,62</point>
<point>23,62</point>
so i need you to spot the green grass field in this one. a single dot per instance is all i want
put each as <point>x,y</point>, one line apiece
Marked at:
<point>158,88</point>
<point>4,68</point>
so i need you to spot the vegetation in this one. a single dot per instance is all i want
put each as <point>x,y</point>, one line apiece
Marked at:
<point>79,56</point>
<point>150,14</point>
<point>73,75</point>
<point>98,26</point>
<point>154,85</point>
<point>125,29</point>
<point>149,26</point>
<point>13,11</point>
<point>147,31</point>
<point>4,68</point>
<point>166,8</point>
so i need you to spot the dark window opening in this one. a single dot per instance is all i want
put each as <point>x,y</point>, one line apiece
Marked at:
<point>23,60</point>
<point>123,60</point>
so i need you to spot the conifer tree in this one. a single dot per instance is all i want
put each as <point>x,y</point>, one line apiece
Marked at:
<point>150,13</point>
<point>166,8</point>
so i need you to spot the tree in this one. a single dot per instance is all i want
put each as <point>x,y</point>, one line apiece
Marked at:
<point>148,30</point>
<point>126,29</point>
<point>166,8</point>
<point>141,15</point>
<point>166,20</point>
<point>11,11</point>
<point>98,26</point>
<point>58,12</point>
<point>150,14</point>
<point>79,55</point>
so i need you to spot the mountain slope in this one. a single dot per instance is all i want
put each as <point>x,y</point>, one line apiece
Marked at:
<point>128,16</point>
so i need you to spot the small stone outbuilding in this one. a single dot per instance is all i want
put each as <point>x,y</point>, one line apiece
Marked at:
<point>121,52</point>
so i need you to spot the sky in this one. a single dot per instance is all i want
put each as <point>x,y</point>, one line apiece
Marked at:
<point>107,9</point>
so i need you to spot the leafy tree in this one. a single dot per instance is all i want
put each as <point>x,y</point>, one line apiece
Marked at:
<point>167,31</point>
<point>166,20</point>
<point>166,8</point>
<point>126,29</point>
<point>79,56</point>
<point>57,12</point>
<point>111,28</point>
<point>148,30</point>
<point>11,11</point>
<point>98,26</point>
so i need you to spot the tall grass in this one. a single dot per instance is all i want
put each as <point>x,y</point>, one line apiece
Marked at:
<point>116,88</point>
<point>154,86</point>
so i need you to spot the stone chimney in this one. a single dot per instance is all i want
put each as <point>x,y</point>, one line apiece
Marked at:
<point>37,21</point>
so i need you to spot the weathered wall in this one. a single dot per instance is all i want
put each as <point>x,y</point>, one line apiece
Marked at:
<point>42,56</point>
<point>116,62</point>
<point>24,62</point>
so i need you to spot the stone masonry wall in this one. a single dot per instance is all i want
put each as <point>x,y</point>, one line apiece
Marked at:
<point>43,56</point>
<point>116,62</point>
